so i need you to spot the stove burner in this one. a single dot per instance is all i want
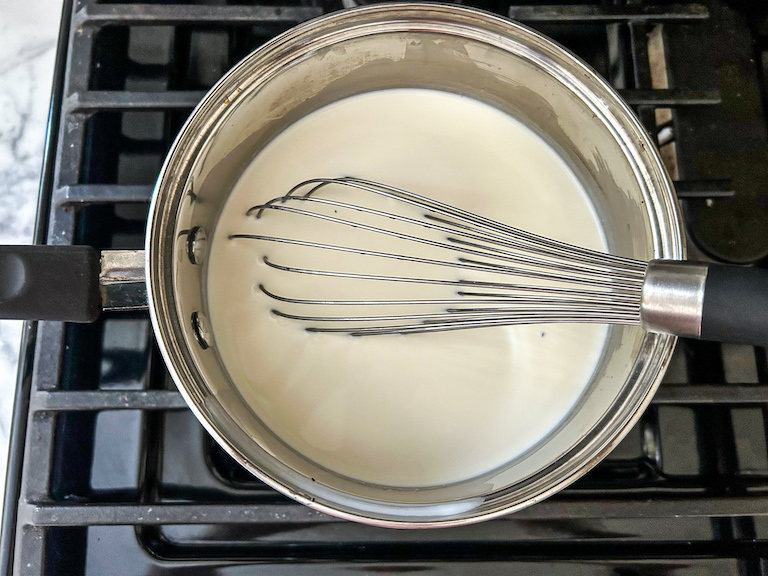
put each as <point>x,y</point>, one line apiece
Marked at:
<point>118,476</point>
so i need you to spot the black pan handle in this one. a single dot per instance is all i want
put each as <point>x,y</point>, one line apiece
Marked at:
<point>735,305</point>
<point>49,283</point>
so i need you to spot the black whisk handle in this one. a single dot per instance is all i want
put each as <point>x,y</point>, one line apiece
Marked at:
<point>735,307</point>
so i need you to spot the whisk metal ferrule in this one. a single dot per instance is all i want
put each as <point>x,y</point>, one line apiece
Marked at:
<point>672,299</point>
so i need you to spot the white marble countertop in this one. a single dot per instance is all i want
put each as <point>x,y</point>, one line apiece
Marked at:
<point>28,33</point>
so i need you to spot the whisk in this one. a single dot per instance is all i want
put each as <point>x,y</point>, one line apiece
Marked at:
<point>506,276</point>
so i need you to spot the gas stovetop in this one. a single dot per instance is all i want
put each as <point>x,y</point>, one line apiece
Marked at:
<point>110,473</point>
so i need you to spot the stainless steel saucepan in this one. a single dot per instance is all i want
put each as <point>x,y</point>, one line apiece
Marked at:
<point>440,47</point>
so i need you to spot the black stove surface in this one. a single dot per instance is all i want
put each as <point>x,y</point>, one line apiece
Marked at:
<point>110,473</point>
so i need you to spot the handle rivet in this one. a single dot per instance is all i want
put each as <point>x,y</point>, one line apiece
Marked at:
<point>201,330</point>
<point>197,245</point>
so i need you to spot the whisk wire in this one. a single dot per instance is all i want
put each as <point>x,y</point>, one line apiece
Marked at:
<point>459,245</point>
<point>419,201</point>
<point>464,263</point>
<point>525,303</point>
<point>513,237</point>
<point>629,298</point>
<point>589,286</point>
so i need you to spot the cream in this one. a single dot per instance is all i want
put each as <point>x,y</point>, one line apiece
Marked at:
<point>415,410</point>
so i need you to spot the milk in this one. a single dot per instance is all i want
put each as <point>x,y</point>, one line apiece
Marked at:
<point>399,410</point>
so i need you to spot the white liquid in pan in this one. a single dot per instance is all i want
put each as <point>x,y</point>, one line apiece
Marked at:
<point>414,410</point>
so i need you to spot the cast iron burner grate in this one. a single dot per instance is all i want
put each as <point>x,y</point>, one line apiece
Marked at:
<point>111,474</point>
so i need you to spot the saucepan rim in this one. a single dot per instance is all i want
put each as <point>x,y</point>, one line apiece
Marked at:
<point>473,24</point>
